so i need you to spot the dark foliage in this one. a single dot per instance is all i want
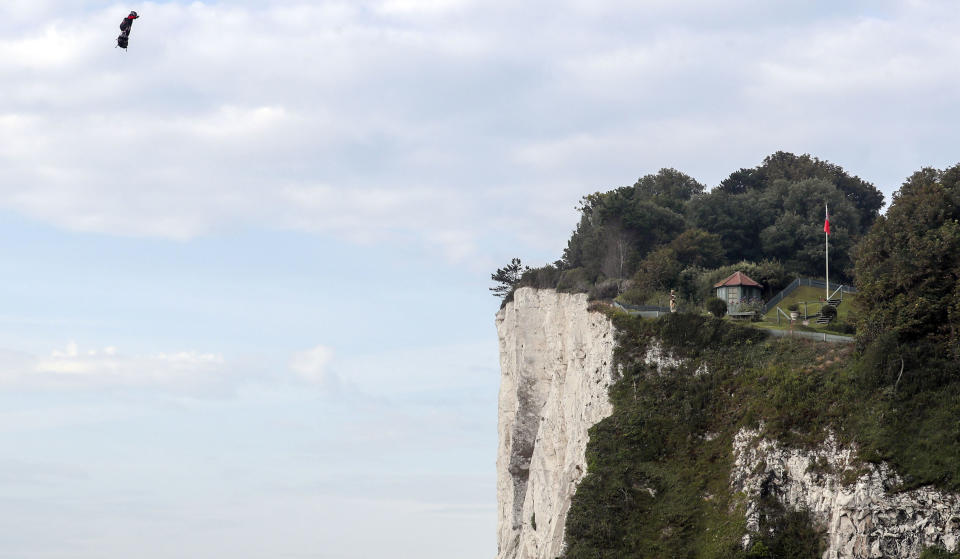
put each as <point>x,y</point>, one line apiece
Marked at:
<point>507,278</point>
<point>607,289</point>
<point>908,267</point>
<point>717,307</point>
<point>908,275</point>
<point>776,211</point>
<point>618,228</point>
<point>938,553</point>
<point>665,232</point>
<point>785,534</point>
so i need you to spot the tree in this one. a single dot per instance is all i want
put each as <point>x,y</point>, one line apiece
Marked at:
<point>862,195</point>
<point>776,212</point>
<point>695,247</point>
<point>507,278</point>
<point>618,228</point>
<point>660,270</point>
<point>742,181</point>
<point>736,218</point>
<point>669,188</point>
<point>908,266</point>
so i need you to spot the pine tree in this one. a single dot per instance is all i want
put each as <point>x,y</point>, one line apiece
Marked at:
<point>507,278</point>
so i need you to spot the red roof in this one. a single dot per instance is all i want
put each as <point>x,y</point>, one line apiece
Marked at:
<point>737,278</point>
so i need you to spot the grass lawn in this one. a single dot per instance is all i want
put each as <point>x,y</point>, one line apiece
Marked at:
<point>811,296</point>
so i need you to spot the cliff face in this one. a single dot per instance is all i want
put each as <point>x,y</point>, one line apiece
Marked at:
<point>556,367</point>
<point>863,519</point>
<point>555,362</point>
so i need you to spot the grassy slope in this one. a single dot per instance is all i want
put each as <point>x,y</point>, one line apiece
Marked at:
<point>812,295</point>
<point>659,466</point>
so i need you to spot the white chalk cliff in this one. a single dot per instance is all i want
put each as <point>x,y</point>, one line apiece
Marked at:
<point>556,366</point>
<point>555,362</point>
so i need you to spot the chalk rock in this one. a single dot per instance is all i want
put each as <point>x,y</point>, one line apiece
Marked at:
<point>862,518</point>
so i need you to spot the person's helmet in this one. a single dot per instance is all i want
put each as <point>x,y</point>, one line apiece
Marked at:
<point>133,15</point>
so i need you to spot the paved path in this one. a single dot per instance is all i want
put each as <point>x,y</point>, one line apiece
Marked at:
<point>832,338</point>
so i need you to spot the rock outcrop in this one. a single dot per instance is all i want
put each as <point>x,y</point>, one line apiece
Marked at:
<point>852,501</point>
<point>555,361</point>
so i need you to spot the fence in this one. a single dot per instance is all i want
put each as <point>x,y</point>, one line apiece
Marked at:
<point>641,308</point>
<point>807,282</point>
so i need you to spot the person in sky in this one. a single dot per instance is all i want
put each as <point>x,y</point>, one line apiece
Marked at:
<point>125,26</point>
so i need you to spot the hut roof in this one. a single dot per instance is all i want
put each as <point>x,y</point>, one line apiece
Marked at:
<point>737,278</point>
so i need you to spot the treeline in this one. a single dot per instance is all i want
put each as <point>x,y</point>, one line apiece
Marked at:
<point>667,232</point>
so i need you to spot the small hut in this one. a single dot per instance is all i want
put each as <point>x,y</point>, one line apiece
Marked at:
<point>738,289</point>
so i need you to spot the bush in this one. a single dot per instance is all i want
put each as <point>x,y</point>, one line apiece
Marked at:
<point>786,533</point>
<point>575,280</point>
<point>844,327</point>
<point>717,307</point>
<point>541,278</point>
<point>793,307</point>
<point>829,311</point>
<point>607,289</point>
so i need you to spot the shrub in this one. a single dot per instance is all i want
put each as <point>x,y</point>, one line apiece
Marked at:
<point>793,307</point>
<point>786,533</point>
<point>574,280</point>
<point>541,278</point>
<point>844,327</point>
<point>717,307</point>
<point>829,311</point>
<point>607,289</point>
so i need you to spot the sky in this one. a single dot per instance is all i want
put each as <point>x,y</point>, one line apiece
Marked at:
<point>244,264</point>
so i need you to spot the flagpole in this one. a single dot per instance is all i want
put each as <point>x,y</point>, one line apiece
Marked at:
<point>826,244</point>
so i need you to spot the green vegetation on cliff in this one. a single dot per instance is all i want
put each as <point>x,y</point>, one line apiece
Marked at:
<point>658,482</point>
<point>908,276</point>
<point>938,553</point>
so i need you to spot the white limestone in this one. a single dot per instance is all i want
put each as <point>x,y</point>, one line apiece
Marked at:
<point>555,360</point>
<point>863,519</point>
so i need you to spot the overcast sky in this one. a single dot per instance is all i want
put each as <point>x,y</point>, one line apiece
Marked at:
<point>244,264</point>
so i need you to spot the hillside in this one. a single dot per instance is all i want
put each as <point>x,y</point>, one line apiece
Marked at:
<point>723,442</point>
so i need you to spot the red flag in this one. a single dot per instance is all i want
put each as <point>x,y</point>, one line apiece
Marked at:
<point>826,221</point>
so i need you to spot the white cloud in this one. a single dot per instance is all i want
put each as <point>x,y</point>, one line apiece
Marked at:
<point>419,7</point>
<point>406,119</point>
<point>313,364</point>
<point>74,367</point>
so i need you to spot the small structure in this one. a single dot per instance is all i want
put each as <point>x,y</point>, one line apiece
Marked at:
<point>741,294</point>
